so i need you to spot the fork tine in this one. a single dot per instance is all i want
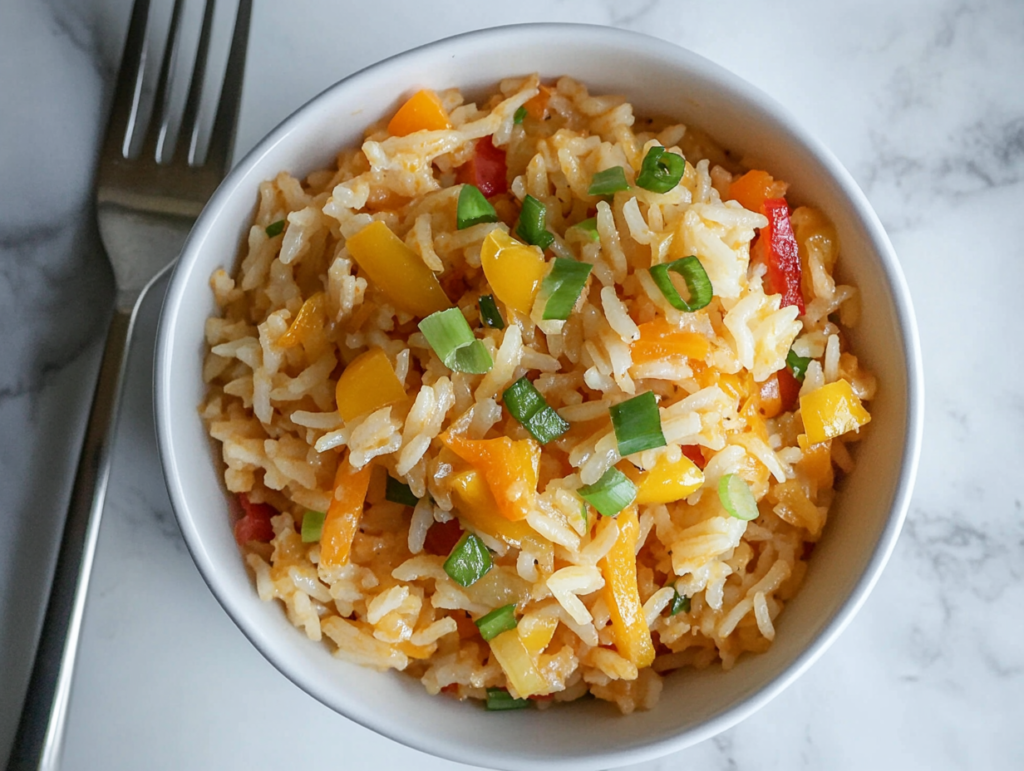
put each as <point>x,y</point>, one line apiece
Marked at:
<point>190,117</point>
<point>156,134</point>
<point>222,138</point>
<point>125,106</point>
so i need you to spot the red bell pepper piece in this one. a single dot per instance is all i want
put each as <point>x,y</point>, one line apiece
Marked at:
<point>692,451</point>
<point>782,254</point>
<point>789,389</point>
<point>486,169</point>
<point>442,537</point>
<point>255,524</point>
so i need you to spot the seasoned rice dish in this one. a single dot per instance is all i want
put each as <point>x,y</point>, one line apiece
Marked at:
<point>531,398</point>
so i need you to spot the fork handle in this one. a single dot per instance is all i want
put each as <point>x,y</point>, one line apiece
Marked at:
<point>40,737</point>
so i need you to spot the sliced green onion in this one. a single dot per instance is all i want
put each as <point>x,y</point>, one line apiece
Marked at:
<point>528,407</point>
<point>312,526</point>
<point>660,170</point>
<point>680,603</point>
<point>473,208</point>
<point>519,116</point>
<point>275,228</point>
<point>562,286</point>
<point>532,223</point>
<point>498,699</point>
<point>399,492</point>
<point>453,341</point>
<point>610,494</point>
<point>489,312</point>
<point>637,424</point>
<point>735,495</point>
<point>696,279</point>
<point>589,228</point>
<point>797,364</point>
<point>469,561</point>
<point>497,621</point>
<point>608,181</point>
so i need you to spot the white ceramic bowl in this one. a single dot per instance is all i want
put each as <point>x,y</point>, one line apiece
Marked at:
<point>658,78</point>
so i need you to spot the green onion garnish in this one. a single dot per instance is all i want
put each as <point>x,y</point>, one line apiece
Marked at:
<point>275,228</point>
<point>696,279</point>
<point>399,492</point>
<point>589,228</point>
<point>797,364</point>
<point>562,287</point>
<point>532,224</point>
<point>519,116</point>
<point>497,621</point>
<point>680,603</point>
<point>489,312</point>
<point>473,208</point>
<point>608,181</point>
<point>610,494</point>
<point>453,341</point>
<point>469,561</point>
<point>637,424</point>
<point>528,407</point>
<point>735,495</point>
<point>660,170</point>
<point>312,526</point>
<point>499,699</point>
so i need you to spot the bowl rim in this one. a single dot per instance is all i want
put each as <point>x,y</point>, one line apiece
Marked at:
<point>909,343</point>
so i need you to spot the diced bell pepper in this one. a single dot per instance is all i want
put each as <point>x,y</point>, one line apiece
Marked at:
<point>344,513</point>
<point>510,468</point>
<point>659,339</point>
<point>669,481</point>
<point>486,169</point>
<point>422,112</point>
<point>307,329</point>
<point>629,626</point>
<point>476,505</point>
<point>368,383</point>
<point>782,254</point>
<point>536,633</point>
<point>831,411</point>
<point>513,269</point>
<point>754,187</point>
<point>518,664</point>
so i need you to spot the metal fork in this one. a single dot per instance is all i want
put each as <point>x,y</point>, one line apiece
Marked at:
<point>145,209</point>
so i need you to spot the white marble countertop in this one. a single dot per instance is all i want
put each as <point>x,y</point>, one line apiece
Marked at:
<point>921,100</point>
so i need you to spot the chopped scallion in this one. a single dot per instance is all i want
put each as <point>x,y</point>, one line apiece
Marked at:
<point>797,364</point>
<point>473,208</point>
<point>533,223</point>
<point>469,561</point>
<point>696,279</point>
<point>453,341</point>
<point>660,170</point>
<point>498,699</point>
<point>275,228</point>
<point>610,494</point>
<point>497,621</point>
<point>562,287</point>
<point>399,492</point>
<point>520,116</point>
<point>589,228</point>
<point>637,424</point>
<point>489,312</point>
<point>312,526</point>
<point>735,495</point>
<point>680,603</point>
<point>528,407</point>
<point>608,182</point>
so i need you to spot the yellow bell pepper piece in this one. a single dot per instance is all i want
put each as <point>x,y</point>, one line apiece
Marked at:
<point>344,513</point>
<point>513,269</point>
<point>536,633</point>
<point>831,411</point>
<point>629,626</point>
<point>510,468</point>
<point>518,664</point>
<point>368,383</point>
<point>476,505</point>
<point>669,481</point>
<point>422,112</point>
<point>816,462</point>
<point>397,270</point>
<point>307,329</point>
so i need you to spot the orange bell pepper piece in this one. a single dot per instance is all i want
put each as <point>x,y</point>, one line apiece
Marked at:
<point>831,411</point>
<point>307,329</point>
<point>659,339</point>
<point>513,269</point>
<point>344,513</point>
<point>397,270</point>
<point>537,106</point>
<point>476,506</point>
<point>629,626</point>
<point>816,462</point>
<point>510,468</point>
<point>422,112</point>
<point>754,187</point>
<point>368,383</point>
